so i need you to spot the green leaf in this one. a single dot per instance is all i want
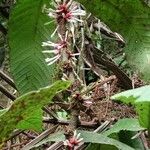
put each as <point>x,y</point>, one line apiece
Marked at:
<point>141,94</point>
<point>3,111</point>
<point>91,137</point>
<point>26,34</point>
<point>123,136</point>
<point>143,110</point>
<point>26,112</point>
<point>100,147</point>
<point>126,137</point>
<point>124,124</point>
<point>140,98</point>
<point>131,18</point>
<point>56,137</point>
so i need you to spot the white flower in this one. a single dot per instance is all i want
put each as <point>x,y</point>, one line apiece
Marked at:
<point>70,11</point>
<point>73,141</point>
<point>56,49</point>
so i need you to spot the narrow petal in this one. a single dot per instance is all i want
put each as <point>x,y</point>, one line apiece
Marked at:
<point>54,60</point>
<point>51,51</point>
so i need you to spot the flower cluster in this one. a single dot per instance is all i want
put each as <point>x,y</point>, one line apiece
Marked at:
<point>67,10</point>
<point>73,141</point>
<point>56,49</point>
<point>70,12</point>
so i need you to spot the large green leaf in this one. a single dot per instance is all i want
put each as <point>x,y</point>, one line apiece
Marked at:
<point>127,124</point>
<point>3,111</point>
<point>26,112</point>
<point>26,34</point>
<point>55,137</point>
<point>101,147</point>
<point>91,137</point>
<point>140,98</point>
<point>126,137</point>
<point>131,18</point>
<point>141,94</point>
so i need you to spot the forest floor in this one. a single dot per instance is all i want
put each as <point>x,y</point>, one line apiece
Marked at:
<point>102,109</point>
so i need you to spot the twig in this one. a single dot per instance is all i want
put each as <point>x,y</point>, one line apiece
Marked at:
<point>50,112</point>
<point>39,138</point>
<point>80,124</point>
<point>98,84</point>
<point>15,133</point>
<point>144,141</point>
<point>7,79</point>
<point>30,136</point>
<point>56,146</point>
<point>16,145</point>
<point>7,93</point>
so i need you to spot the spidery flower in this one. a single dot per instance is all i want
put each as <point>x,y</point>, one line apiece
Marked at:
<point>70,12</point>
<point>73,141</point>
<point>55,48</point>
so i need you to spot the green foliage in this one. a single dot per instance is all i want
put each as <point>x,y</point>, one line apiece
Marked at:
<point>124,124</point>
<point>91,137</point>
<point>123,136</point>
<point>26,34</point>
<point>55,137</point>
<point>100,147</point>
<point>131,18</point>
<point>126,137</point>
<point>140,98</point>
<point>3,111</point>
<point>26,112</point>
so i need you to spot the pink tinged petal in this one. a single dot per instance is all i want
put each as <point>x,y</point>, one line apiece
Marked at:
<point>66,35</point>
<point>60,46</point>
<point>76,54</point>
<point>60,36</point>
<point>73,7</point>
<point>81,139</point>
<point>69,3</point>
<point>78,135</point>
<point>52,15</point>
<point>51,51</point>
<point>54,31</point>
<point>87,103</point>
<point>52,60</point>
<point>78,12</point>
<point>75,134</point>
<point>49,43</point>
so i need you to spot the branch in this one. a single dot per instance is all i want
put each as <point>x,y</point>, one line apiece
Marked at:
<point>100,57</point>
<point>7,93</point>
<point>7,79</point>
<point>84,124</point>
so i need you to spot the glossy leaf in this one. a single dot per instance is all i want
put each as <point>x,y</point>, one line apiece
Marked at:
<point>2,111</point>
<point>127,124</point>
<point>91,137</point>
<point>140,98</point>
<point>26,34</point>
<point>126,137</point>
<point>55,137</point>
<point>26,112</point>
